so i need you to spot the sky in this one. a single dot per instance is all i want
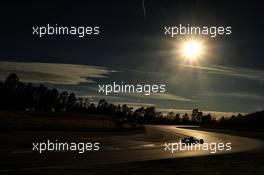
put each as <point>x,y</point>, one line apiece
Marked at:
<point>133,49</point>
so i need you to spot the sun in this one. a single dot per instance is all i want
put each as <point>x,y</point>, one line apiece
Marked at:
<point>192,50</point>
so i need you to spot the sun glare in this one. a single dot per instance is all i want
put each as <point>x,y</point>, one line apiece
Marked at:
<point>192,50</point>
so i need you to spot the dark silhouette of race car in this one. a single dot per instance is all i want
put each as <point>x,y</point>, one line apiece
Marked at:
<point>192,140</point>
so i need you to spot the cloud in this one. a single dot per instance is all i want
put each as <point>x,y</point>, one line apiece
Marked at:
<point>169,96</point>
<point>215,114</point>
<point>99,97</point>
<point>213,69</point>
<point>229,71</point>
<point>160,96</point>
<point>234,95</point>
<point>134,104</point>
<point>127,96</point>
<point>53,73</point>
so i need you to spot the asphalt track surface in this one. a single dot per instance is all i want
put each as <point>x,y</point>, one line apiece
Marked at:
<point>113,148</point>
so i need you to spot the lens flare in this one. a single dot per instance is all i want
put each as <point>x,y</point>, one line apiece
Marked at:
<point>192,50</point>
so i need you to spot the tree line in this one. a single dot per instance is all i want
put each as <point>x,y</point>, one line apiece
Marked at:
<point>16,95</point>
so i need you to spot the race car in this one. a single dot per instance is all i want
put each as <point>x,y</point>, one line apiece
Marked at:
<point>192,140</point>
